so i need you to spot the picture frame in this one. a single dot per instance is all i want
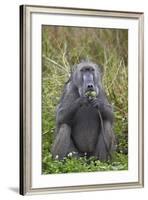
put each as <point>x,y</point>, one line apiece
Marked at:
<point>32,181</point>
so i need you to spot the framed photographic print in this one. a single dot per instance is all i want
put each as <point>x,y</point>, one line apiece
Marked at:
<point>81,100</point>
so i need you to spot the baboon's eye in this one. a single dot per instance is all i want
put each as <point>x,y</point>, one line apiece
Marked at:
<point>87,69</point>
<point>90,69</point>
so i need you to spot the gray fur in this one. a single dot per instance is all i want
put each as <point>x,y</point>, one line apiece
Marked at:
<point>83,126</point>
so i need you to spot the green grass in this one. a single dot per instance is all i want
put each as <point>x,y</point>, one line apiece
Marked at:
<point>83,164</point>
<point>62,47</point>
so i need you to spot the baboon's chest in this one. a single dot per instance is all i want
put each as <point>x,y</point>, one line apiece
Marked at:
<point>86,114</point>
<point>85,129</point>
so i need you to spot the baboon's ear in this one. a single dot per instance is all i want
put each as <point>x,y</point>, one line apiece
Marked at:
<point>73,68</point>
<point>100,69</point>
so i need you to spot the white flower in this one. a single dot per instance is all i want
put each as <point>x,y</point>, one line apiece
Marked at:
<point>57,156</point>
<point>70,154</point>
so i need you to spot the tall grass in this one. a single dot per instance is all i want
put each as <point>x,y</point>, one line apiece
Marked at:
<point>62,47</point>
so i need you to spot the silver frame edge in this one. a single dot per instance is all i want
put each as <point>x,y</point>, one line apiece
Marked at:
<point>25,98</point>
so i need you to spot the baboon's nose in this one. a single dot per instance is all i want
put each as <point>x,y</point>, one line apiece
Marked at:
<point>90,86</point>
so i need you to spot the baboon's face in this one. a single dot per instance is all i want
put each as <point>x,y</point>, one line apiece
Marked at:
<point>86,78</point>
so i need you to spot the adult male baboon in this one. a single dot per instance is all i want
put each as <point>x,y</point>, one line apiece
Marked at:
<point>84,117</point>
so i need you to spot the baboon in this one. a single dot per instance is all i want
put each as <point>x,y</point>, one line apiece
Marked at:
<point>84,122</point>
